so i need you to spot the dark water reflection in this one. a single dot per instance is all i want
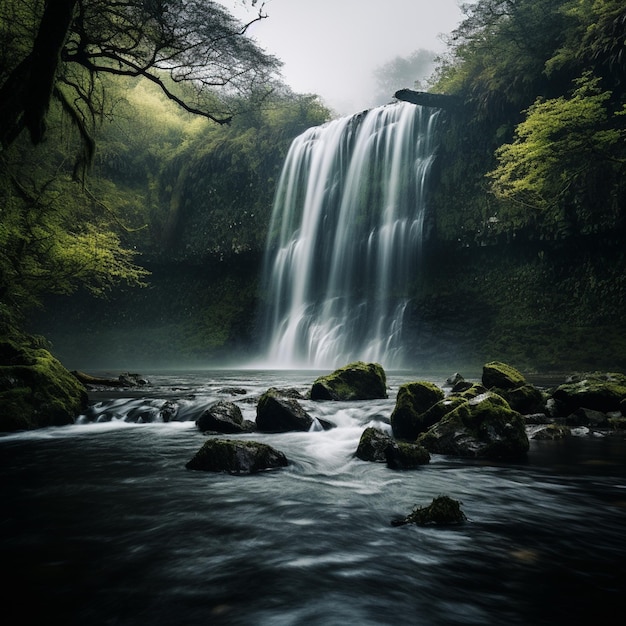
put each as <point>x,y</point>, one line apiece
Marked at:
<point>101,524</point>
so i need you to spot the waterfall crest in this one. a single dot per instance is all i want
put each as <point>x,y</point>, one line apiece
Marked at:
<point>345,237</point>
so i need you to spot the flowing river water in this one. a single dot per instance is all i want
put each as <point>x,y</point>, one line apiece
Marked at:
<point>102,523</point>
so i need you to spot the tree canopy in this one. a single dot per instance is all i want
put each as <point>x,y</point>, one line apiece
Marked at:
<point>62,49</point>
<point>539,148</point>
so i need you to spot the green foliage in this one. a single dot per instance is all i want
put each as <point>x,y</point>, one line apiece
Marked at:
<point>562,146</point>
<point>538,149</point>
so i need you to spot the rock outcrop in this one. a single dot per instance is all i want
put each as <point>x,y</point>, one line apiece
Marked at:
<point>36,390</point>
<point>356,381</point>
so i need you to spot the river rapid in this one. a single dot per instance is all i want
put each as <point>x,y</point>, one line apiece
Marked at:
<point>102,524</point>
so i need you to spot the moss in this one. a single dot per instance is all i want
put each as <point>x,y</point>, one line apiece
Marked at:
<point>402,455</point>
<point>483,427</point>
<point>501,375</point>
<point>36,390</point>
<point>356,381</point>
<point>600,392</point>
<point>412,404</point>
<point>442,511</point>
<point>372,445</point>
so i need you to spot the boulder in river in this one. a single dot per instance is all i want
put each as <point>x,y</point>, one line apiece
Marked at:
<point>356,381</point>
<point>372,445</point>
<point>36,390</point>
<point>481,427</point>
<point>277,414</point>
<point>600,392</point>
<point>223,417</point>
<point>509,383</point>
<point>401,455</point>
<point>410,417</point>
<point>236,457</point>
<point>442,511</point>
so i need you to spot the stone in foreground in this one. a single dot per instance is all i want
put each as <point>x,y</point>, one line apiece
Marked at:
<point>442,511</point>
<point>236,457</point>
<point>356,381</point>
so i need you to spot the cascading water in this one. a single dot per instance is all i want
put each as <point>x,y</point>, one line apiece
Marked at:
<point>345,237</point>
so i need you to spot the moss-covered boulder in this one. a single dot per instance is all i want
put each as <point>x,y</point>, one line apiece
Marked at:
<point>501,375</point>
<point>401,455</point>
<point>600,392</point>
<point>372,445</point>
<point>277,414</point>
<point>236,457</point>
<point>223,417</point>
<point>356,381</point>
<point>442,511</point>
<point>482,427</point>
<point>409,417</point>
<point>36,390</point>
<point>509,383</point>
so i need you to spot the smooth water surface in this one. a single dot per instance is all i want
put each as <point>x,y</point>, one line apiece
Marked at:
<point>102,524</point>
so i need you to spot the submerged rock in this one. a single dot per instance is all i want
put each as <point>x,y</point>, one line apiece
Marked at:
<point>223,417</point>
<point>482,427</point>
<point>410,417</point>
<point>551,432</point>
<point>442,511</point>
<point>36,390</point>
<point>236,457</point>
<point>356,381</point>
<point>277,414</point>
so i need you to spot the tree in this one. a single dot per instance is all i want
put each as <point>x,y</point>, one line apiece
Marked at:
<point>565,152</point>
<point>196,43</point>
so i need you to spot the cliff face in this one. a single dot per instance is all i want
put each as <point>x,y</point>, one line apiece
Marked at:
<point>542,306</point>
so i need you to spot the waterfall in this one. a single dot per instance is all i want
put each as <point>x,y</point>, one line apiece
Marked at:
<point>345,237</point>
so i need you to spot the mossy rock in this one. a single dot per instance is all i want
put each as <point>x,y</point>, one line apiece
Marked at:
<point>502,376</point>
<point>412,403</point>
<point>442,511</point>
<point>356,381</point>
<point>483,427</point>
<point>236,457</point>
<point>401,455</point>
<point>372,445</point>
<point>36,390</point>
<point>600,392</point>
<point>525,399</point>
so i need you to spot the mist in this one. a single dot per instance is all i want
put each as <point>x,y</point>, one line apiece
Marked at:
<point>334,49</point>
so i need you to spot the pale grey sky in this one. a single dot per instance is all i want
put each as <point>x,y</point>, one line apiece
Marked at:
<point>331,47</point>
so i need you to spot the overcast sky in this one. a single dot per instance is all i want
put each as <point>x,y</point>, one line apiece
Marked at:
<point>332,47</point>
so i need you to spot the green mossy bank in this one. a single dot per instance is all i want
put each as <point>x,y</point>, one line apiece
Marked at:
<point>36,390</point>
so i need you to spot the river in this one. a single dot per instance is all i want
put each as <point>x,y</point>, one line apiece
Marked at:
<point>102,524</point>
